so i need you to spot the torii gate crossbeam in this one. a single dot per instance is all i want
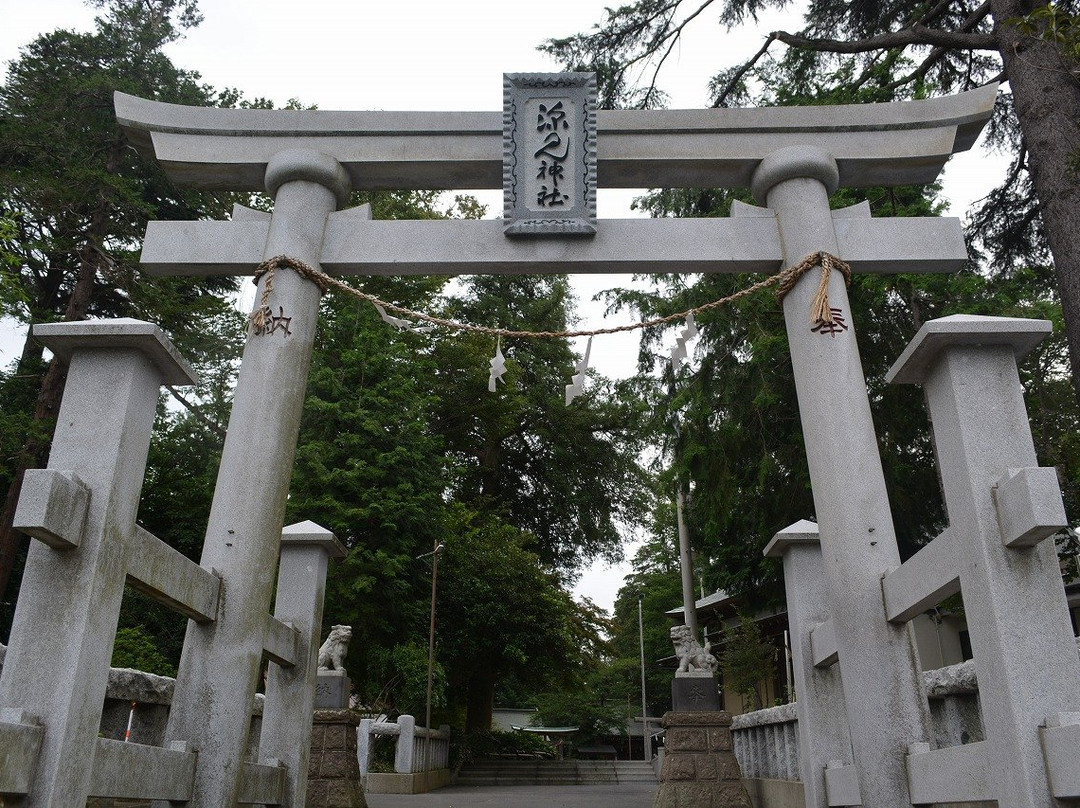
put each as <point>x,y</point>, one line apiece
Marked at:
<point>791,158</point>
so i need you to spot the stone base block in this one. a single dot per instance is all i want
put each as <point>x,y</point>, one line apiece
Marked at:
<point>700,769</point>
<point>333,770</point>
<point>692,693</point>
<point>332,689</point>
<point>418,783</point>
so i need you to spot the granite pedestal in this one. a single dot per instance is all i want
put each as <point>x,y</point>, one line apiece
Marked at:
<point>700,769</point>
<point>332,689</point>
<point>694,691</point>
<point>333,769</point>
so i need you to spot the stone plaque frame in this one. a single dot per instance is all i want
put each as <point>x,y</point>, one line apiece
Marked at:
<point>534,201</point>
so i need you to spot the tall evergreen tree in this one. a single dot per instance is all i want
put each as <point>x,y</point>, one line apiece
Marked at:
<point>76,198</point>
<point>897,49</point>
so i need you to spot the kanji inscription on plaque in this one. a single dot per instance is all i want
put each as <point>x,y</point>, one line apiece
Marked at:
<point>549,154</point>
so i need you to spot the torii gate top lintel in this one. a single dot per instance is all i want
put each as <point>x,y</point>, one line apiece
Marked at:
<point>873,144</point>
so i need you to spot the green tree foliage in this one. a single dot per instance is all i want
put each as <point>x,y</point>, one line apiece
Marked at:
<point>597,720</point>
<point>135,648</point>
<point>567,475</point>
<point>889,50</point>
<point>656,579</point>
<point>501,613</point>
<point>747,659</point>
<point>75,199</point>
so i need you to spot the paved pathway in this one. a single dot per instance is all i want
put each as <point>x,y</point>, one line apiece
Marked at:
<point>627,795</point>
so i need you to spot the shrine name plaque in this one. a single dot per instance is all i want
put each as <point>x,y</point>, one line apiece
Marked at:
<point>549,154</point>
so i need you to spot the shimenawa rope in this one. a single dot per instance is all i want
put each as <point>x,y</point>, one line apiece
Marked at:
<point>785,280</point>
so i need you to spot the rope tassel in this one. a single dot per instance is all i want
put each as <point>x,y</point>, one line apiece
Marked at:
<point>820,311</point>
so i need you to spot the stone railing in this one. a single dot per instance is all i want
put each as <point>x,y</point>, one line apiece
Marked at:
<point>417,749</point>
<point>145,698</point>
<point>767,745</point>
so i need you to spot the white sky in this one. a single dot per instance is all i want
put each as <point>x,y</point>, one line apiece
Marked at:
<point>433,55</point>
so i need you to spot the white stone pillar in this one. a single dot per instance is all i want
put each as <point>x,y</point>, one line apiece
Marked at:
<point>364,745</point>
<point>306,550</point>
<point>1021,637</point>
<point>221,662</point>
<point>57,663</point>
<point>403,759</point>
<point>822,725</point>
<point>887,710</point>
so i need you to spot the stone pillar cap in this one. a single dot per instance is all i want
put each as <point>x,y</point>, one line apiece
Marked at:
<point>1019,333</point>
<point>310,533</point>
<point>801,532</point>
<point>63,339</point>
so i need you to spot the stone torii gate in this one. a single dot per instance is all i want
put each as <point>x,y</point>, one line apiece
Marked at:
<point>792,158</point>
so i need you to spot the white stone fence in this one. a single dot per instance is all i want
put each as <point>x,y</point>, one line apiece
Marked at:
<point>767,743</point>
<point>58,697</point>
<point>414,753</point>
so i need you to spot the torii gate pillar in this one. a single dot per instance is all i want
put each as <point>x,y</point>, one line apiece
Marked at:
<point>887,710</point>
<point>220,666</point>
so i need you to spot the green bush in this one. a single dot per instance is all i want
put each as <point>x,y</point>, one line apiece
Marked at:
<point>495,743</point>
<point>134,648</point>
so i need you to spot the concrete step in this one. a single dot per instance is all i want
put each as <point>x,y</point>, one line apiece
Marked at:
<point>554,772</point>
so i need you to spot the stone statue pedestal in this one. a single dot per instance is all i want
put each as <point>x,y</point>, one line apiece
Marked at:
<point>694,691</point>
<point>332,689</point>
<point>333,769</point>
<point>700,769</point>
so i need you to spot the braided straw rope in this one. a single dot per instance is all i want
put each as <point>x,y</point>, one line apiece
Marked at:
<point>784,281</point>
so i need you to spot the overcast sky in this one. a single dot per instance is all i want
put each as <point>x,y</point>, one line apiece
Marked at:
<point>433,55</point>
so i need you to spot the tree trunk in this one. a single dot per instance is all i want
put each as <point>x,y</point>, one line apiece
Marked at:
<point>1046,96</point>
<point>480,701</point>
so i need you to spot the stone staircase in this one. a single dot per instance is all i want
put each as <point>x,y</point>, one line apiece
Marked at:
<point>554,772</point>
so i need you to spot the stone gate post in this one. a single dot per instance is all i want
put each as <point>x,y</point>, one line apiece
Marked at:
<point>819,697</point>
<point>221,662</point>
<point>1001,509</point>
<point>82,510</point>
<point>887,710</point>
<point>306,550</point>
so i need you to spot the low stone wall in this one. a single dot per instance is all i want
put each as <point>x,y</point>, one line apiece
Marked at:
<point>151,695</point>
<point>416,783</point>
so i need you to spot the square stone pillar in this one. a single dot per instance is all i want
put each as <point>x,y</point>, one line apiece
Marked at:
<point>1001,507</point>
<point>306,549</point>
<point>82,510</point>
<point>819,695</point>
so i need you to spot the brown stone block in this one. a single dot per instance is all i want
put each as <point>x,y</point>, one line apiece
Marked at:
<point>720,718</point>
<point>687,739</point>
<point>732,795</point>
<point>705,767</point>
<point>666,796</point>
<point>335,765</point>
<point>719,739</point>
<point>316,793</point>
<point>314,760</point>
<point>727,767</point>
<point>335,736</point>
<point>695,795</point>
<point>679,767</point>
<point>345,794</point>
<point>318,736</point>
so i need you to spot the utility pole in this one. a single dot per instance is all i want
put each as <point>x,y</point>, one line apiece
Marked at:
<point>646,737</point>
<point>435,553</point>
<point>686,563</point>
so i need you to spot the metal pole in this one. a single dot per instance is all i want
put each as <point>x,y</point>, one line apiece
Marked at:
<point>686,562</point>
<point>646,738</point>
